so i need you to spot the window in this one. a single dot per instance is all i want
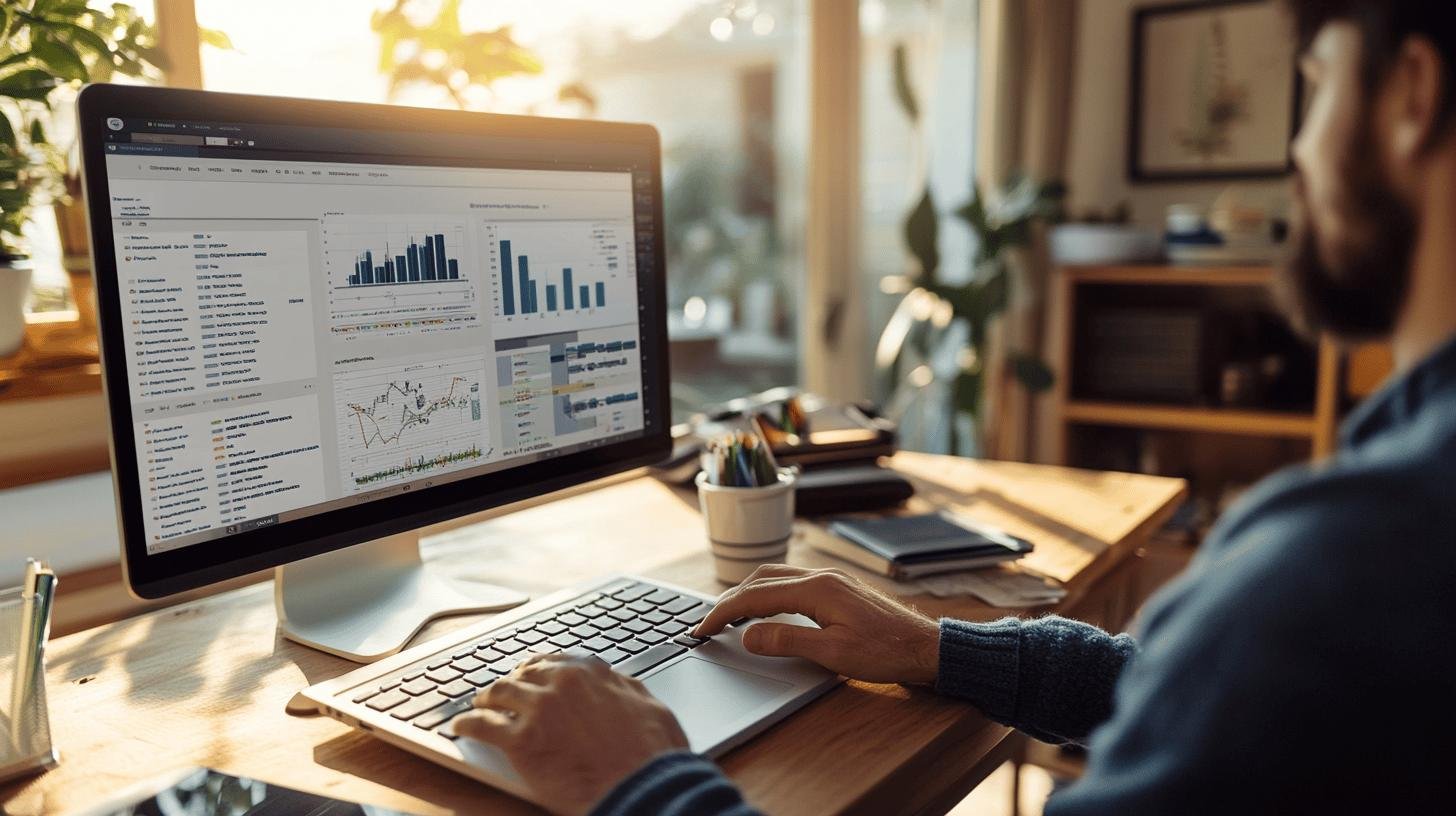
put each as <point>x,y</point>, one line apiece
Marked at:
<point>725,83</point>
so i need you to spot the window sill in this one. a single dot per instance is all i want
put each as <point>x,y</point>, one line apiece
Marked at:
<point>58,358</point>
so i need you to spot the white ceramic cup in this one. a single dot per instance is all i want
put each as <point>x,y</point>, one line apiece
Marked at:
<point>747,526</point>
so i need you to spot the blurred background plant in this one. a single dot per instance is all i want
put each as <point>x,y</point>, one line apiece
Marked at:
<point>932,354</point>
<point>436,52</point>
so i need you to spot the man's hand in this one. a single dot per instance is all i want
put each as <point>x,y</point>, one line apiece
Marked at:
<point>572,727</point>
<point>863,634</point>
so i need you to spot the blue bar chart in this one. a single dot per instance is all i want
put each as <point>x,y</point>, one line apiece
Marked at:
<point>422,261</point>
<point>397,275</point>
<point>570,274</point>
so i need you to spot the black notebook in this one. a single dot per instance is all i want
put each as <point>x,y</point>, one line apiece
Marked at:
<point>910,546</point>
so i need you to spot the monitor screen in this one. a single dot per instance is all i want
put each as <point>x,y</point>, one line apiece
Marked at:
<point>316,318</point>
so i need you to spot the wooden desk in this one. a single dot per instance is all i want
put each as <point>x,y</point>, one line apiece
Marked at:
<point>205,683</point>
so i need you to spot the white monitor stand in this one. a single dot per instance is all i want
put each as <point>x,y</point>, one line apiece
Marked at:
<point>365,602</point>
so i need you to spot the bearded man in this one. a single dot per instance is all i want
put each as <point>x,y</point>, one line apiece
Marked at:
<point>1306,660</point>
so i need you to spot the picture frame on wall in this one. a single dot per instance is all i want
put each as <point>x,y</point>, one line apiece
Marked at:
<point>1215,91</point>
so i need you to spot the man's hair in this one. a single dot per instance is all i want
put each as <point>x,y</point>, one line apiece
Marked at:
<point>1384,26</point>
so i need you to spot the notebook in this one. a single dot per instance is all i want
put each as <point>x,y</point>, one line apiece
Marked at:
<point>904,547</point>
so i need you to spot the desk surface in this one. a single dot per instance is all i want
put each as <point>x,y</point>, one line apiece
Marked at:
<point>205,683</point>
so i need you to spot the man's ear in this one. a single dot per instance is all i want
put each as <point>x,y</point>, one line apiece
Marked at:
<point>1416,86</point>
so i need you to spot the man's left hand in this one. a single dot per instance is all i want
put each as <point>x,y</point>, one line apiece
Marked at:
<point>572,727</point>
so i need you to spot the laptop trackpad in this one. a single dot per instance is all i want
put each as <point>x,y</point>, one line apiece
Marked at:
<point>709,698</point>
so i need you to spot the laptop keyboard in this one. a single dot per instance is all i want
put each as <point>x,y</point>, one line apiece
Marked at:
<point>634,626</point>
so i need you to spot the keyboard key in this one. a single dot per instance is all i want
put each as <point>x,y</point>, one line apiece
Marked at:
<point>413,674</point>
<point>366,693</point>
<point>661,597</point>
<point>415,688</point>
<point>459,653</point>
<point>609,603</point>
<point>641,607</point>
<point>458,687</point>
<point>564,640</point>
<point>637,627</point>
<point>652,657</point>
<point>633,592</point>
<point>417,706</point>
<point>530,638</point>
<point>632,646</point>
<point>679,606</point>
<point>444,675</point>
<point>444,713</point>
<point>571,619</point>
<point>651,636</point>
<point>488,654</point>
<point>670,628</point>
<point>439,662</point>
<point>617,635</point>
<point>551,627</point>
<point>623,614</point>
<point>508,646</point>
<point>544,647</point>
<point>505,665</point>
<point>388,700</point>
<point>694,616</point>
<point>654,617</point>
<point>386,685</point>
<point>689,641</point>
<point>614,655</point>
<point>591,611</point>
<point>585,631</point>
<point>469,663</point>
<point>596,645</point>
<point>480,678</point>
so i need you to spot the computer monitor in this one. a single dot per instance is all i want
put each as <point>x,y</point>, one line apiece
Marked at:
<point>325,324</point>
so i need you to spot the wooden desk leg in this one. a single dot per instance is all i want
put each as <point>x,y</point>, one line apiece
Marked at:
<point>1018,758</point>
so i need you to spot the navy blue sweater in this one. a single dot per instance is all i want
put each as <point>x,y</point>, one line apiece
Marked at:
<point>1305,662</point>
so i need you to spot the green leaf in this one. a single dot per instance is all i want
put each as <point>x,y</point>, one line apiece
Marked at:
<point>32,83</point>
<point>7,134</point>
<point>81,36</point>
<point>922,228</point>
<point>37,132</point>
<point>903,91</point>
<point>1034,374</point>
<point>215,38</point>
<point>61,59</point>
<point>967,392</point>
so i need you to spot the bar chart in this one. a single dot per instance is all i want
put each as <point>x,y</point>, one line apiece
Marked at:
<point>420,262</point>
<point>562,274</point>
<point>397,275</point>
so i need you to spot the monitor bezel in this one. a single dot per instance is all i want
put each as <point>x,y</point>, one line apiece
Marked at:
<point>167,573</point>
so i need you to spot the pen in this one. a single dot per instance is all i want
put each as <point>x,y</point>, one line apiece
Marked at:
<point>35,626</point>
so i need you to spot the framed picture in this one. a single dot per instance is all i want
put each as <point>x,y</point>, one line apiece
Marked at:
<point>1215,93</point>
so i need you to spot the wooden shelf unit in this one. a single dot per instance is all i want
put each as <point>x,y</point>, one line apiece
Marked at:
<point>1318,426</point>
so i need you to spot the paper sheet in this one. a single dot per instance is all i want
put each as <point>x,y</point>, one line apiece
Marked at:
<point>1004,586</point>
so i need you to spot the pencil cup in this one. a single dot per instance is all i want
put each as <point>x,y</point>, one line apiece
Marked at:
<point>747,526</point>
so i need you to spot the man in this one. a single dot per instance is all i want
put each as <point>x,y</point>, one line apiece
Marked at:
<point>1304,662</point>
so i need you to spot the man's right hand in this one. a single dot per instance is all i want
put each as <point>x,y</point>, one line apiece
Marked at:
<point>863,633</point>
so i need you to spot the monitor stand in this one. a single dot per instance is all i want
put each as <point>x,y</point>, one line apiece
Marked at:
<point>366,602</point>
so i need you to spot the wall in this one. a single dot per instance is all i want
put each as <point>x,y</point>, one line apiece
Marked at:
<point>1097,154</point>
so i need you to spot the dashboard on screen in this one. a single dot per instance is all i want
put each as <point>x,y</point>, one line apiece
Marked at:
<point>312,319</point>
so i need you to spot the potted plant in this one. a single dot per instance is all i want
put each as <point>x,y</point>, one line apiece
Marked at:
<point>48,50</point>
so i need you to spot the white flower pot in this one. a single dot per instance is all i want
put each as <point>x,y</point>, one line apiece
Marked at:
<point>14,289</point>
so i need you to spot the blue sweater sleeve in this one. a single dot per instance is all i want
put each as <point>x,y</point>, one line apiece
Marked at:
<point>1051,677</point>
<point>680,783</point>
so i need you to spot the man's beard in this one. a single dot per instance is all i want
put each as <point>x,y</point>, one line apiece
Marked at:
<point>1357,292</point>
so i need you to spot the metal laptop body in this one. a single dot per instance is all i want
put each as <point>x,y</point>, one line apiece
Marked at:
<point>721,694</point>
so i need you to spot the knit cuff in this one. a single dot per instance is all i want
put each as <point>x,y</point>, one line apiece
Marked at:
<point>662,780</point>
<point>979,663</point>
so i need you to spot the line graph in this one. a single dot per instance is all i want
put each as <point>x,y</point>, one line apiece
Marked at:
<point>398,423</point>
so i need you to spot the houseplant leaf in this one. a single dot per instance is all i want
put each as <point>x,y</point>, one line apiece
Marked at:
<point>921,233</point>
<point>904,93</point>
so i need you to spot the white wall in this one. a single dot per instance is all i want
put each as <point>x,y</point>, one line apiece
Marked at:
<point>1097,154</point>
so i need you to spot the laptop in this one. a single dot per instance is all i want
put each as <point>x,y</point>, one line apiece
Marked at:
<point>720,693</point>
